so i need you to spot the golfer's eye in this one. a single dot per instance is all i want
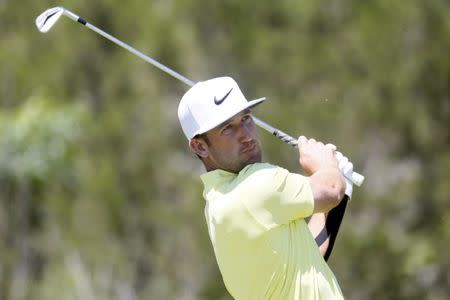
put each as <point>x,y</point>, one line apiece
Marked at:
<point>246,119</point>
<point>226,130</point>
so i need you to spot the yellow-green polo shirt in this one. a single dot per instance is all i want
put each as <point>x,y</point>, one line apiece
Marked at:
<point>262,244</point>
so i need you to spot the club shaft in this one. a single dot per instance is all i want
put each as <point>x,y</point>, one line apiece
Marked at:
<point>355,178</point>
<point>129,48</point>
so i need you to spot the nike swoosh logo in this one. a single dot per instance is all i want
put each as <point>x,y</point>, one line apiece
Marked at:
<point>219,101</point>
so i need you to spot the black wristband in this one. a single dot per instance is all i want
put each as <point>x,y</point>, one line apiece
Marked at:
<point>333,223</point>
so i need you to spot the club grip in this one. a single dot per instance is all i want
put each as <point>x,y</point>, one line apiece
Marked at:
<point>356,178</point>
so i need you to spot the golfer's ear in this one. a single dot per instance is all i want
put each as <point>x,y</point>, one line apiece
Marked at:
<point>199,146</point>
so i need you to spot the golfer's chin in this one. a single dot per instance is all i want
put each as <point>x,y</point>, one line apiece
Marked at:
<point>256,158</point>
<point>252,156</point>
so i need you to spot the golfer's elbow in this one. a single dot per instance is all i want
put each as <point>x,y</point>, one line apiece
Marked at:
<point>328,187</point>
<point>338,190</point>
<point>333,194</point>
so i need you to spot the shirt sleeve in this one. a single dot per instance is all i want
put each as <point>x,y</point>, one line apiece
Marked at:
<point>274,196</point>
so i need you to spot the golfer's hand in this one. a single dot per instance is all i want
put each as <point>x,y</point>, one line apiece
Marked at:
<point>314,155</point>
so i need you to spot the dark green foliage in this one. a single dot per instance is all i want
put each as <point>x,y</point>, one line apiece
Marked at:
<point>100,196</point>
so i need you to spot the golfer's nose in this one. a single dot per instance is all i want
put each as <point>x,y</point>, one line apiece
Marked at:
<point>245,134</point>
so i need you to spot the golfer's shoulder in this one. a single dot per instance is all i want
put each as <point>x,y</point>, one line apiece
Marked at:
<point>262,172</point>
<point>265,180</point>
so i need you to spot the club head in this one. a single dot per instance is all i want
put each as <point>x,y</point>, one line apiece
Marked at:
<point>48,18</point>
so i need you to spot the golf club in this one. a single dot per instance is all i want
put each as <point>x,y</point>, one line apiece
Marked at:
<point>46,20</point>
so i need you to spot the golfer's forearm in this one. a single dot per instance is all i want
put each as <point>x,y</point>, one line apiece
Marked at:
<point>328,187</point>
<point>319,231</point>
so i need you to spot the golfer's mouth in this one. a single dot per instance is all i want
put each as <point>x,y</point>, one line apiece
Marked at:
<point>250,148</point>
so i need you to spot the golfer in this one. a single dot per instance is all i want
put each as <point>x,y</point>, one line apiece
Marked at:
<point>262,219</point>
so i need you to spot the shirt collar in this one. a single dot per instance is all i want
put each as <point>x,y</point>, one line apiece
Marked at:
<point>216,177</point>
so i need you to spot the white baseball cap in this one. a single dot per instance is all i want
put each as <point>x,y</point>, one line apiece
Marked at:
<point>210,103</point>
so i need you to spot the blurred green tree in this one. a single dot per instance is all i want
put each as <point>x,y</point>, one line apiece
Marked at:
<point>100,196</point>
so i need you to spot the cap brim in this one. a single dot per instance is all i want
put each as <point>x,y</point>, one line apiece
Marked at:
<point>255,102</point>
<point>249,104</point>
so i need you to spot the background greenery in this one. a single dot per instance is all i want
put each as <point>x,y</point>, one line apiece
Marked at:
<point>100,196</point>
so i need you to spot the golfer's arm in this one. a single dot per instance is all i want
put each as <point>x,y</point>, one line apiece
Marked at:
<point>324,227</point>
<point>328,187</point>
<point>316,225</point>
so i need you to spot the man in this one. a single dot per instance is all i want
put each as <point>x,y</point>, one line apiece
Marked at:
<point>255,211</point>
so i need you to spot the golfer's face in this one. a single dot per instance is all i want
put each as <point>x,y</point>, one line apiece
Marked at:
<point>234,143</point>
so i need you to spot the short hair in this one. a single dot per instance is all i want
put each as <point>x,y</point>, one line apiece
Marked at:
<point>204,137</point>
